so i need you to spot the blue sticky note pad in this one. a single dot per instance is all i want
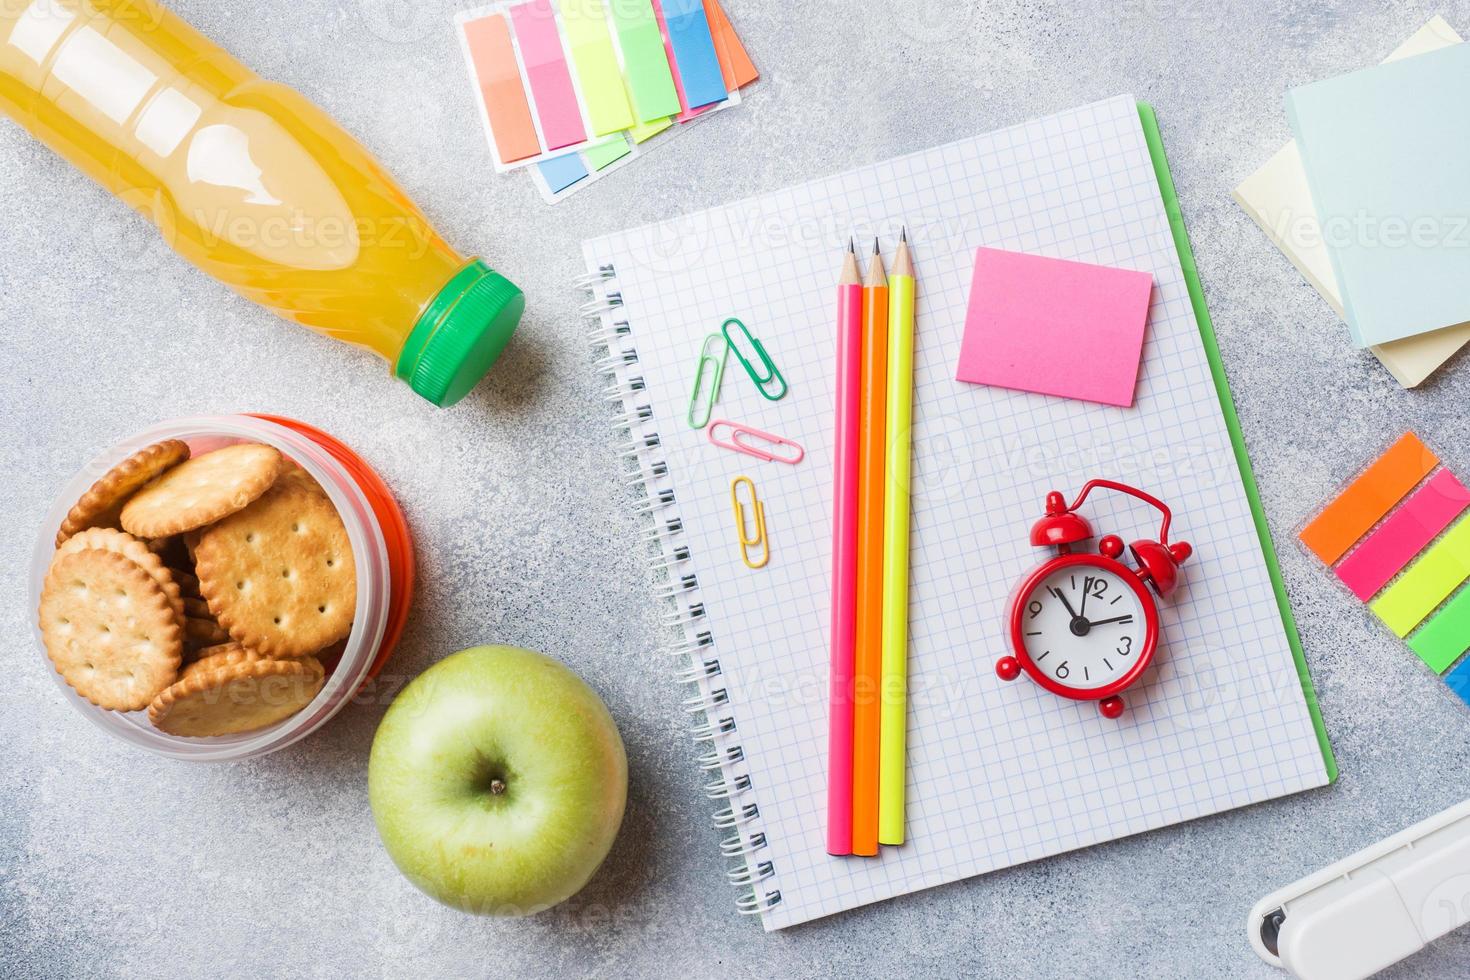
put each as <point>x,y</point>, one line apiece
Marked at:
<point>1387,156</point>
<point>1459,680</point>
<point>563,171</point>
<point>694,52</point>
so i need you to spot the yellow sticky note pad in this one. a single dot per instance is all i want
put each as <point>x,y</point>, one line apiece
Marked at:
<point>1427,583</point>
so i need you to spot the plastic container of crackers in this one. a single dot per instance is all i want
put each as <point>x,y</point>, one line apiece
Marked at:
<point>215,589</point>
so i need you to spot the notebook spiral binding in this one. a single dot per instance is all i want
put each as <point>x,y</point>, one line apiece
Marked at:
<point>697,664</point>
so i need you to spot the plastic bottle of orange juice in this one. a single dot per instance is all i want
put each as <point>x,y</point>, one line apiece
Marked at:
<point>253,184</point>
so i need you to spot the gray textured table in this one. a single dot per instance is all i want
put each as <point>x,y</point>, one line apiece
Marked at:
<point>116,863</point>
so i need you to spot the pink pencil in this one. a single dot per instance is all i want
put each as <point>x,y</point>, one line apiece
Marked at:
<point>844,554</point>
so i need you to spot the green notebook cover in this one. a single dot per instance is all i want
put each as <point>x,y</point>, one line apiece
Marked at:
<point>1232,422</point>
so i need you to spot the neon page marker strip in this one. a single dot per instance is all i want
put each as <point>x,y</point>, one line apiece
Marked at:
<point>604,155</point>
<point>663,29</point>
<point>645,63</point>
<point>546,71</point>
<point>1446,636</point>
<point>647,131</point>
<point>695,58</point>
<point>1437,573</point>
<point>1385,552</point>
<point>1459,681</point>
<point>735,63</point>
<point>596,62</point>
<point>505,102</point>
<point>563,171</point>
<point>1368,498</point>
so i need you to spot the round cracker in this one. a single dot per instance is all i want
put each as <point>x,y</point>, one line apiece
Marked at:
<point>202,490</point>
<point>109,629</point>
<point>199,653</point>
<point>280,575</point>
<point>101,504</point>
<point>223,655</point>
<point>237,697</point>
<point>293,475</point>
<point>123,543</point>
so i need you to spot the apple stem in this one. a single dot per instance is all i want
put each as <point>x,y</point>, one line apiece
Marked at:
<point>497,786</point>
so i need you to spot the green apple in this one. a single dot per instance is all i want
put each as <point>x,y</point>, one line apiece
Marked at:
<point>498,781</point>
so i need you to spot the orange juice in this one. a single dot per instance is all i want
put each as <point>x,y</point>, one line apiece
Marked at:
<point>252,183</point>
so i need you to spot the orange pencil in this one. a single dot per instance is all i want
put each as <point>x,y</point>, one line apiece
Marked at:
<point>868,655</point>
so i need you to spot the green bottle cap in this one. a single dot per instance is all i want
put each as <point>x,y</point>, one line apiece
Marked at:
<point>461,333</point>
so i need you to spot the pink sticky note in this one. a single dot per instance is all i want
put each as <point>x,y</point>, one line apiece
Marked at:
<point>1055,327</point>
<point>1398,540</point>
<point>546,70</point>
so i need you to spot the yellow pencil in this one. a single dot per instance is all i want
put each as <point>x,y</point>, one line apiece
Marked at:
<point>893,721</point>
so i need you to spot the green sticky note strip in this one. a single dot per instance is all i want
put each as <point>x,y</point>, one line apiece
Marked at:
<point>647,131</point>
<point>1446,636</point>
<point>598,77</point>
<point>1437,573</point>
<point>602,155</point>
<point>645,61</point>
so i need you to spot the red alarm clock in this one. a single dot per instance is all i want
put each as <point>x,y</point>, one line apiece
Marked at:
<point>1085,625</point>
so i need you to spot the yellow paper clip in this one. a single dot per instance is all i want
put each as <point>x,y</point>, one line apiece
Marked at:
<point>746,542</point>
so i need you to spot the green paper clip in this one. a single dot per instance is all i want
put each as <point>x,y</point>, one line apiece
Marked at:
<point>716,375</point>
<point>772,375</point>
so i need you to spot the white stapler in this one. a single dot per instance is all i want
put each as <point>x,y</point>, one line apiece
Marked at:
<point>1373,909</point>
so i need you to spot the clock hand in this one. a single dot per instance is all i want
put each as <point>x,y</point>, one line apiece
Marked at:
<point>1086,588</point>
<point>1066,602</point>
<point>1115,619</point>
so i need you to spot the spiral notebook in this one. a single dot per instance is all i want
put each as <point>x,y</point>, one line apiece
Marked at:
<point>998,774</point>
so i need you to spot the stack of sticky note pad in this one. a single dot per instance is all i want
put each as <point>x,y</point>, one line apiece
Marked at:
<point>1372,201</point>
<point>1398,536</point>
<point>570,89</point>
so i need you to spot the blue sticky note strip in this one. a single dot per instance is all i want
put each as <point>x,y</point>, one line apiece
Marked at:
<point>1459,680</point>
<point>694,52</point>
<point>563,171</point>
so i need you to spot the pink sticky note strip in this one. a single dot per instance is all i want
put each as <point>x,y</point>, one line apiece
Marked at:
<point>1055,327</point>
<point>547,74</point>
<point>1398,540</point>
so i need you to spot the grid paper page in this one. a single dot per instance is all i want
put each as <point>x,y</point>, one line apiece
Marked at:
<point>998,773</point>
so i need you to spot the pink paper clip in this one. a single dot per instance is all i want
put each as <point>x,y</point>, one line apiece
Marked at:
<point>740,446</point>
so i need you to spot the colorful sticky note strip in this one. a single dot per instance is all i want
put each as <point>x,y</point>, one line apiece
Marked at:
<point>547,74</point>
<point>1459,681</point>
<point>694,55</point>
<point>1428,582</point>
<point>645,63</point>
<point>1385,552</point>
<point>603,155</point>
<point>1445,637</point>
<point>596,62</point>
<point>1055,327</point>
<point>563,171</point>
<point>735,64</point>
<point>501,94</point>
<point>1368,498</point>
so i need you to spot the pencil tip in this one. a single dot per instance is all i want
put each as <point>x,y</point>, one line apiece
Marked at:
<point>851,247</point>
<point>904,236</point>
<point>875,246</point>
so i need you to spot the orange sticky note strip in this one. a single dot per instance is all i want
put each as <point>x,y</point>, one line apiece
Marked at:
<point>500,86</point>
<point>735,63</point>
<point>1368,498</point>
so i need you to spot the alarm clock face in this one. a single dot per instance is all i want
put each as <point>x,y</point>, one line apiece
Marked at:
<point>1086,626</point>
